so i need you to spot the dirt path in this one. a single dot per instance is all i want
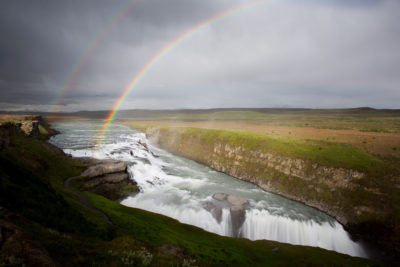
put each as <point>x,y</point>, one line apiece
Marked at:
<point>84,199</point>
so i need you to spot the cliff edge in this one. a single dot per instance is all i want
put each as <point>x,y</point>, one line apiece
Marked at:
<point>358,189</point>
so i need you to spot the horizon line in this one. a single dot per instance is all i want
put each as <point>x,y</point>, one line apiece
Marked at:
<point>200,109</point>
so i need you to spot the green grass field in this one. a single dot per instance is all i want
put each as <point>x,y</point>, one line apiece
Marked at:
<point>325,153</point>
<point>363,119</point>
<point>373,131</point>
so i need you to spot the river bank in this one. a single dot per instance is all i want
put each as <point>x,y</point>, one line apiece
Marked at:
<point>185,190</point>
<point>337,179</point>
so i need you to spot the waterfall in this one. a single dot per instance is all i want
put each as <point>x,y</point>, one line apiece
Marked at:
<point>180,188</point>
<point>260,224</point>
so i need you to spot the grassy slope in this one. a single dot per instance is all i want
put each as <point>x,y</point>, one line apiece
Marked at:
<point>325,153</point>
<point>28,171</point>
<point>32,174</point>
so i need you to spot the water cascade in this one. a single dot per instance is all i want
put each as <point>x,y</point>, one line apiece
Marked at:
<point>188,191</point>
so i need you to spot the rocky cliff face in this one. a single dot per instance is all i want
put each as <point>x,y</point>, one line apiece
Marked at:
<point>298,179</point>
<point>31,125</point>
<point>346,194</point>
<point>275,173</point>
<point>108,178</point>
<point>338,191</point>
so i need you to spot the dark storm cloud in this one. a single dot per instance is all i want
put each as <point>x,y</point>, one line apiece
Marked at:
<point>43,40</point>
<point>338,3</point>
<point>34,37</point>
<point>279,53</point>
<point>21,93</point>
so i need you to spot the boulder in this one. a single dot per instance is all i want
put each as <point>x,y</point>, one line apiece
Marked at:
<point>238,215</point>
<point>237,201</point>
<point>215,210</point>
<point>220,196</point>
<point>237,210</point>
<point>144,146</point>
<point>233,200</point>
<point>105,167</point>
<point>108,178</point>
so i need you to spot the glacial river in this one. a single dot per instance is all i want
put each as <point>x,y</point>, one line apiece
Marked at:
<point>180,188</point>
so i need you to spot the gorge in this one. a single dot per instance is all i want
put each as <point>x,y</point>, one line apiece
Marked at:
<point>188,191</point>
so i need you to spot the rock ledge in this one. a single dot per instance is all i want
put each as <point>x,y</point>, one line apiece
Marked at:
<point>108,178</point>
<point>237,208</point>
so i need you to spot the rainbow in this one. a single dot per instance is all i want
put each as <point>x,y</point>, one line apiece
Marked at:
<point>81,62</point>
<point>188,33</point>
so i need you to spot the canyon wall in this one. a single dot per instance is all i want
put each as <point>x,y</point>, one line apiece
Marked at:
<point>323,187</point>
<point>363,201</point>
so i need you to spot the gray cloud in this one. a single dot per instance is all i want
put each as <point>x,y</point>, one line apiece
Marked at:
<point>302,53</point>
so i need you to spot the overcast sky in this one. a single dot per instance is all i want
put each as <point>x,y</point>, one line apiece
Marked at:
<point>278,53</point>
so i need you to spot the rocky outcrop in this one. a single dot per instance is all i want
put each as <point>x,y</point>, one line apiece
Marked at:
<point>103,167</point>
<point>334,177</point>
<point>278,174</point>
<point>214,209</point>
<point>237,208</point>
<point>30,128</point>
<point>108,178</point>
<point>31,125</point>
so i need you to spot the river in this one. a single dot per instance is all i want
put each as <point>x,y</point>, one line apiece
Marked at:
<point>181,188</point>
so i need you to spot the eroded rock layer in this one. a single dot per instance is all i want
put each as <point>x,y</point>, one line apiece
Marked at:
<point>347,194</point>
<point>108,178</point>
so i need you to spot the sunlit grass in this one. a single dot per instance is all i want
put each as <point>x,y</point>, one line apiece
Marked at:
<point>322,152</point>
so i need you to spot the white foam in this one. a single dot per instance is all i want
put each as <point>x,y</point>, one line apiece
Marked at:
<point>181,191</point>
<point>260,224</point>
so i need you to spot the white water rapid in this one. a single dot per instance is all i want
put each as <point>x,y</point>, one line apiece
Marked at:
<point>181,188</point>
